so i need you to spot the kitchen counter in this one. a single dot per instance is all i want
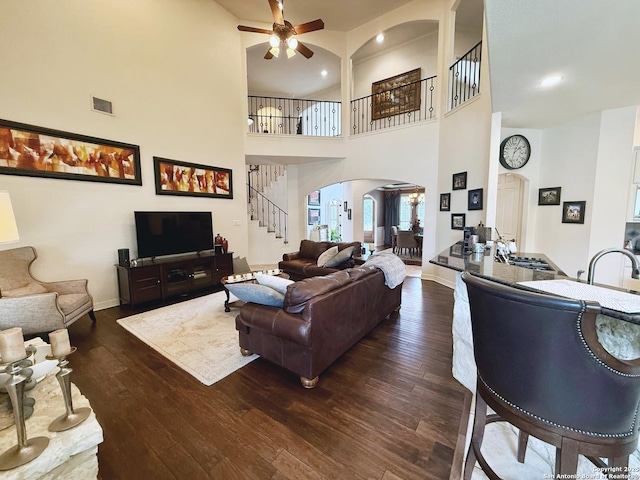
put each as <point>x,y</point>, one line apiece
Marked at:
<point>484,265</point>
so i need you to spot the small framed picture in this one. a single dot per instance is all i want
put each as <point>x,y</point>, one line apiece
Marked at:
<point>457,221</point>
<point>455,250</point>
<point>314,198</point>
<point>445,202</point>
<point>346,207</point>
<point>313,216</point>
<point>349,214</point>
<point>475,199</point>
<point>573,212</point>
<point>549,196</point>
<point>459,181</point>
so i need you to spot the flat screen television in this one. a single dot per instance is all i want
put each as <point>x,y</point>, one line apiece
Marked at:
<point>170,233</point>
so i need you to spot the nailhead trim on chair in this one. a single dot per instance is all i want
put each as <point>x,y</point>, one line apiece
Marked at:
<point>584,344</point>
<point>553,424</point>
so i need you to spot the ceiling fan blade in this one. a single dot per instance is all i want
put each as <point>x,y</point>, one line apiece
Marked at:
<point>244,28</point>
<point>268,55</point>
<point>304,50</point>
<point>309,27</point>
<point>277,13</point>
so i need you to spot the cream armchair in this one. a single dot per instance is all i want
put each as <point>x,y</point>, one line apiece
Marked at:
<point>35,306</point>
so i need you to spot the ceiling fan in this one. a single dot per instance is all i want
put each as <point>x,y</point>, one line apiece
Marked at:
<point>283,33</point>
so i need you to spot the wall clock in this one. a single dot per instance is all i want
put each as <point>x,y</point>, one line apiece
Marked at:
<point>514,152</point>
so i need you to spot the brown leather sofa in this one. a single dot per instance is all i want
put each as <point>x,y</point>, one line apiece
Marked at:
<point>321,318</point>
<point>304,263</point>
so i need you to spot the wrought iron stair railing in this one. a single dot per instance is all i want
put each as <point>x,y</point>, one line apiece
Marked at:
<point>267,213</point>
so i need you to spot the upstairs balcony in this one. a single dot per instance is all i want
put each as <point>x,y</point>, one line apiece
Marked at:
<point>398,102</point>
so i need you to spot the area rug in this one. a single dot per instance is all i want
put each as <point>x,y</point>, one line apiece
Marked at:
<point>197,335</point>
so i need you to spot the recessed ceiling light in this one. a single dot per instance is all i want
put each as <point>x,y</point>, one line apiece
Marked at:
<point>324,73</point>
<point>380,38</point>
<point>550,81</point>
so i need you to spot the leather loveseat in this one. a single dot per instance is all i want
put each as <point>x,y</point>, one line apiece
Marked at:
<point>304,263</point>
<point>321,318</point>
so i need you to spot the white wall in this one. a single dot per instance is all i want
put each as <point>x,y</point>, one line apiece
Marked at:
<point>159,62</point>
<point>420,53</point>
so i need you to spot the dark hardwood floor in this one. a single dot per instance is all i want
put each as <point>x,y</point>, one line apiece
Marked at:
<point>388,409</point>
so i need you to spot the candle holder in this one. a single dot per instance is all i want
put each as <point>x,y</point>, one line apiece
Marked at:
<point>72,417</point>
<point>26,449</point>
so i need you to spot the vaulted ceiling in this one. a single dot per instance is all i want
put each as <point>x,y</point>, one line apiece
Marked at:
<point>589,43</point>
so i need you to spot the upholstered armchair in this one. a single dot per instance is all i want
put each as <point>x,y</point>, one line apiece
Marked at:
<point>35,306</point>
<point>406,240</point>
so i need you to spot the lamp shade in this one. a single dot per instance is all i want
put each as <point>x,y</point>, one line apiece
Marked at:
<point>8,227</point>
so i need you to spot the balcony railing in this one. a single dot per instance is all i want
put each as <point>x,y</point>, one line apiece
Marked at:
<point>464,77</point>
<point>406,104</point>
<point>293,116</point>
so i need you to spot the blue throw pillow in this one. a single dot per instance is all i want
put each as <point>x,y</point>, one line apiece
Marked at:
<point>256,293</point>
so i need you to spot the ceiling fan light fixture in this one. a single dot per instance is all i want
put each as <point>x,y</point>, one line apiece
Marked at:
<point>275,51</point>
<point>274,41</point>
<point>292,42</point>
<point>290,52</point>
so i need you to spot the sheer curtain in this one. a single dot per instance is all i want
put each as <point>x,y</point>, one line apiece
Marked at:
<point>391,213</point>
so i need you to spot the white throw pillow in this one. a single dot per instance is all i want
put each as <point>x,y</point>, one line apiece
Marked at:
<point>342,256</point>
<point>279,284</point>
<point>327,255</point>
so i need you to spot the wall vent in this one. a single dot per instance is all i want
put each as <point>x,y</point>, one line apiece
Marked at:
<point>100,105</point>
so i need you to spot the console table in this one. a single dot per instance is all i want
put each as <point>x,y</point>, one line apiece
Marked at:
<point>164,278</point>
<point>71,454</point>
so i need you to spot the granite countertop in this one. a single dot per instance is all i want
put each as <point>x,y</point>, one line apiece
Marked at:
<point>484,265</point>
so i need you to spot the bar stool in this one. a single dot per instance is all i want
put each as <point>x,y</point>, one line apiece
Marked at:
<point>542,369</point>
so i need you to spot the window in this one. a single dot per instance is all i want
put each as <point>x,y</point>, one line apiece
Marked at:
<point>405,212</point>
<point>333,207</point>
<point>367,211</point>
<point>409,211</point>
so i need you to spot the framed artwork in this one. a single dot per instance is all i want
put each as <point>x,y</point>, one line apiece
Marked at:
<point>549,196</point>
<point>573,212</point>
<point>349,214</point>
<point>458,221</point>
<point>43,152</point>
<point>459,181</point>
<point>345,206</point>
<point>314,198</point>
<point>396,95</point>
<point>475,199</point>
<point>455,250</point>
<point>445,202</point>
<point>191,179</point>
<point>313,216</point>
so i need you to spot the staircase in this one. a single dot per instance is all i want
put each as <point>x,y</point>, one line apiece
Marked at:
<point>268,220</point>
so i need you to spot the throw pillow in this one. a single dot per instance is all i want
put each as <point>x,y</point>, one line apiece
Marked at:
<point>342,256</point>
<point>256,293</point>
<point>279,284</point>
<point>240,265</point>
<point>326,256</point>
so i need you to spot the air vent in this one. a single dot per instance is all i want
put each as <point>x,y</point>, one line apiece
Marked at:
<point>100,105</point>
